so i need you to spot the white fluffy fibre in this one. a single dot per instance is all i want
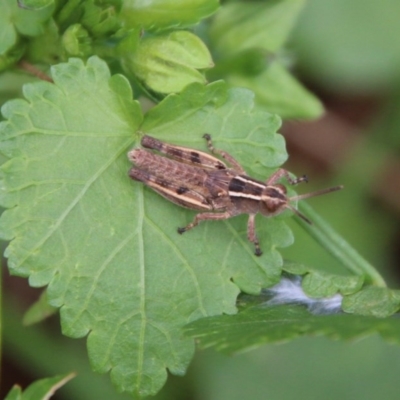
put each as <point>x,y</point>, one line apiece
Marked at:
<point>289,291</point>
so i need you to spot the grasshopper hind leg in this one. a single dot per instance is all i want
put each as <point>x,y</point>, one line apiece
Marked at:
<point>175,192</point>
<point>183,154</point>
<point>226,156</point>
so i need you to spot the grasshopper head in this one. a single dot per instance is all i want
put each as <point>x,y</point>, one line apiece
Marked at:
<point>274,200</point>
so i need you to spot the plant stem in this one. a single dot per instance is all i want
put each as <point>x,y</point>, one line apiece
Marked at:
<point>31,69</point>
<point>331,241</point>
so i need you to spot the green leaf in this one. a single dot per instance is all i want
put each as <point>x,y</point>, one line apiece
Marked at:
<point>76,41</point>
<point>373,301</point>
<point>350,46</point>
<point>107,247</point>
<point>239,26</point>
<point>250,135</point>
<point>12,56</point>
<point>14,394</point>
<point>8,33</point>
<point>249,62</point>
<point>259,325</point>
<point>11,86</point>
<point>101,18</point>
<point>320,283</point>
<point>156,15</point>
<point>34,4</point>
<point>42,389</point>
<point>15,21</point>
<point>168,63</point>
<point>277,91</point>
<point>39,311</point>
<point>46,48</point>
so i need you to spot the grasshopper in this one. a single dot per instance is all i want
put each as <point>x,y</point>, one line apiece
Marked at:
<point>200,181</point>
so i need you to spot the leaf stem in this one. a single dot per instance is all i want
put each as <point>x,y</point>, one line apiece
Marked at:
<point>336,245</point>
<point>32,70</point>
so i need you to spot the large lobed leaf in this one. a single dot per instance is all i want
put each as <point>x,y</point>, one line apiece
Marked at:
<point>106,246</point>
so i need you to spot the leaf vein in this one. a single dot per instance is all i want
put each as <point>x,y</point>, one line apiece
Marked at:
<point>73,203</point>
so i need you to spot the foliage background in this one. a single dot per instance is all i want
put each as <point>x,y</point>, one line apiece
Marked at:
<point>348,53</point>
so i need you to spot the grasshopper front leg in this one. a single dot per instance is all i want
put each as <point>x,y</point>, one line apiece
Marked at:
<point>283,173</point>
<point>203,217</point>
<point>251,234</point>
<point>235,164</point>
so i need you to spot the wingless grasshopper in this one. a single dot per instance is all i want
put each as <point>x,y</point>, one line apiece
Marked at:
<point>199,181</point>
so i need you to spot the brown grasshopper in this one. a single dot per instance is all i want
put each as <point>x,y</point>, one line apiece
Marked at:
<point>199,181</point>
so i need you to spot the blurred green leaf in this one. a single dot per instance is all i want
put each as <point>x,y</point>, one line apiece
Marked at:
<point>239,26</point>
<point>259,325</point>
<point>11,57</point>
<point>11,87</point>
<point>168,63</point>
<point>373,301</point>
<point>34,4</point>
<point>249,62</point>
<point>70,13</point>
<point>42,389</point>
<point>156,15</point>
<point>8,33</point>
<point>277,91</point>
<point>76,41</point>
<point>46,48</point>
<point>349,45</point>
<point>39,311</point>
<point>15,21</point>
<point>39,350</point>
<point>14,394</point>
<point>101,18</point>
<point>312,367</point>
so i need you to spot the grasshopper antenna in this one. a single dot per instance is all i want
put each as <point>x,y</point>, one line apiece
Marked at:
<point>307,196</point>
